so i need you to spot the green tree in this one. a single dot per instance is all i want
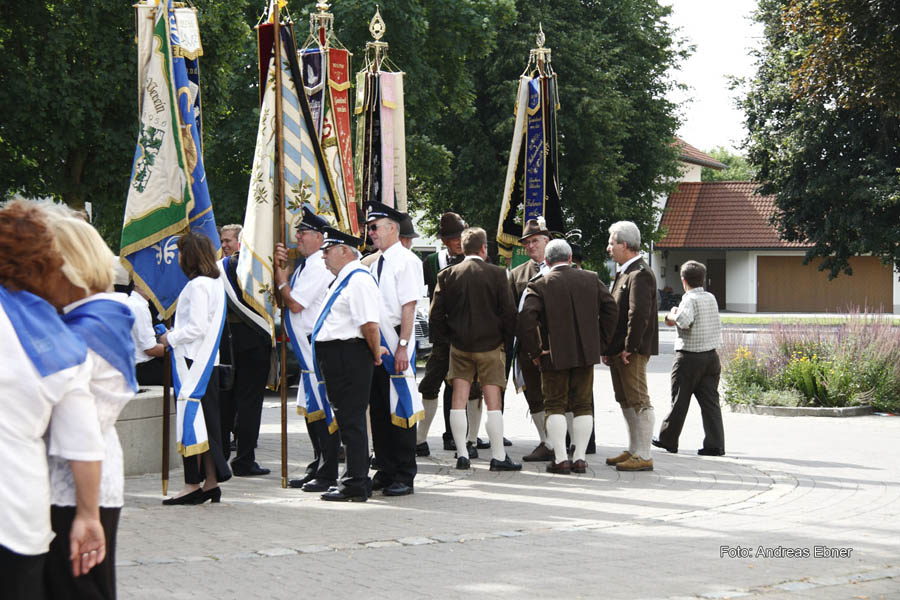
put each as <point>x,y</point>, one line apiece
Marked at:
<point>832,167</point>
<point>737,167</point>
<point>615,124</point>
<point>854,57</point>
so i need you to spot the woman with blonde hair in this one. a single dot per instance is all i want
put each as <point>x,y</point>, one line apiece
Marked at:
<point>194,340</point>
<point>103,320</point>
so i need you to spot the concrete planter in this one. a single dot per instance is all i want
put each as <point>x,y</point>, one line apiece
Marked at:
<point>800,411</point>
<point>140,432</point>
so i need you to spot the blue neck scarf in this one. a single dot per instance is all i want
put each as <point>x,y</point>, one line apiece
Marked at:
<point>46,340</point>
<point>105,326</point>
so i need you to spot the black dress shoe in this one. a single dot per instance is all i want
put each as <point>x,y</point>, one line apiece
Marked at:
<point>339,495</point>
<point>379,484</point>
<point>659,444</point>
<point>471,450</point>
<point>212,494</point>
<point>481,444</point>
<point>319,485</point>
<point>198,496</point>
<point>711,452</point>
<point>463,463</point>
<point>450,444</point>
<point>299,483</point>
<point>506,442</point>
<point>423,449</point>
<point>253,471</point>
<point>505,465</point>
<point>398,489</point>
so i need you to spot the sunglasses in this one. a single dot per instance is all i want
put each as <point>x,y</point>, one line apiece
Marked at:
<point>373,227</point>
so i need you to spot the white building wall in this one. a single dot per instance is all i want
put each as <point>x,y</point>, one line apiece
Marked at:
<point>690,172</point>
<point>740,281</point>
<point>896,292</point>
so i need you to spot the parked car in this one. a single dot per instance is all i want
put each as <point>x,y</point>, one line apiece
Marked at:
<point>423,344</point>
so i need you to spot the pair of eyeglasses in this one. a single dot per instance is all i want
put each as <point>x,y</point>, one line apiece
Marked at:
<point>373,227</point>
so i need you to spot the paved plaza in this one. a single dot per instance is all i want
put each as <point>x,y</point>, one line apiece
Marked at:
<point>800,507</point>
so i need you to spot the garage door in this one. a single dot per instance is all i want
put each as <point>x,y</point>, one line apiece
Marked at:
<point>785,284</point>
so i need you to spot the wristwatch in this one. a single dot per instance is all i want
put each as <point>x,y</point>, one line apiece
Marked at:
<point>404,343</point>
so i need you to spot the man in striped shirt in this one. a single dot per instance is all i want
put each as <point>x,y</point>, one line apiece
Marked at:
<point>696,369</point>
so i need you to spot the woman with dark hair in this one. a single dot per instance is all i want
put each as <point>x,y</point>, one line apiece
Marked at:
<point>194,340</point>
<point>44,389</point>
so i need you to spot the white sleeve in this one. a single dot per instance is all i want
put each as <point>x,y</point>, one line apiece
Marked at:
<point>144,335</point>
<point>685,317</point>
<point>74,427</point>
<point>364,301</point>
<point>197,323</point>
<point>409,280</point>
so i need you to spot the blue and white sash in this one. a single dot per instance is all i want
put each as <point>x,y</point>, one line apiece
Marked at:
<point>322,316</point>
<point>190,386</point>
<point>406,404</point>
<point>312,400</point>
<point>105,326</point>
<point>49,344</point>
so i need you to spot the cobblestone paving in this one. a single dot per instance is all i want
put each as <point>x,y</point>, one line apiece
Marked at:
<point>695,527</point>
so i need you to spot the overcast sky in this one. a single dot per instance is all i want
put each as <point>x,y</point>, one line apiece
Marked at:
<point>723,35</point>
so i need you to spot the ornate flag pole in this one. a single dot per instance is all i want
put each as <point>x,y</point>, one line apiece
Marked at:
<point>380,125</point>
<point>168,192</point>
<point>531,190</point>
<point>289,172</point>
<point>325,65</point>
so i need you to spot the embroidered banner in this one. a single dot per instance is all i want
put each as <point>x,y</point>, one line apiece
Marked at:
<point>339,88</point>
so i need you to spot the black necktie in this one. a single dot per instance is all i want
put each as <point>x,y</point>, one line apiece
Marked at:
<point>380,266</point>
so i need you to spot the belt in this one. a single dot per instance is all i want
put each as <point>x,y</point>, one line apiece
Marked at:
<point>336,342</point>
<point>696,352</point>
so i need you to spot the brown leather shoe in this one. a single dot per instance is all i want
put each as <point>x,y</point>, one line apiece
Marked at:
<point>560,468</point>
<point>579,466</point>
<point>635,463</point>
<point>614,460</point>
<point>539,454</point>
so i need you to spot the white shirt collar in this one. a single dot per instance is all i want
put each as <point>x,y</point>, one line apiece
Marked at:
<point>627,263</point>
<point>473,257</point>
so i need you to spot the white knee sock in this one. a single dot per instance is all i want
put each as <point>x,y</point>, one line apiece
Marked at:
<point>474,416</point>
<point>458,423</point>
<point>581,433</point>
<point>569,417</point>
<point>630,424</point>
<point>645,421</point>
<point>556,433</point>
<point>430,405</point>
<point>538,419</point>
<point>494,426</point>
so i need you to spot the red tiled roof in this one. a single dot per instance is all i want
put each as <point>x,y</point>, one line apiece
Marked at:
<point>720,214</point>
<point>692,155</point>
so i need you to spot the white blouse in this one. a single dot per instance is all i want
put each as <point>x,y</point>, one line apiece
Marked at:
<point>29,404</point>
<point>198,304</point>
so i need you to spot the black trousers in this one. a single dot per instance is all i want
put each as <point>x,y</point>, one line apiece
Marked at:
<point>695,374</point>
<point>346,366</point>
<point>100,582</point>
<point>193,470</point>
<point>242,405</point>
<point>395,447</point>
<point>326,446</point>
<point>22,575</point>
<point>150,372</point>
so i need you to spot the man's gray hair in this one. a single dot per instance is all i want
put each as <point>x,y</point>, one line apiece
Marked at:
<point>626,232</point>
<point>557,251</point>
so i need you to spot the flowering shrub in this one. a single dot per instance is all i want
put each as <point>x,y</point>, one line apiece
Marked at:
<point>854,363</point>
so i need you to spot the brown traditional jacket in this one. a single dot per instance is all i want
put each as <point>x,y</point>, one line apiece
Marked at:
<point>569,312</point>
<point>635,294</point>
<point>472,306</point>
<point>519,278</point>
